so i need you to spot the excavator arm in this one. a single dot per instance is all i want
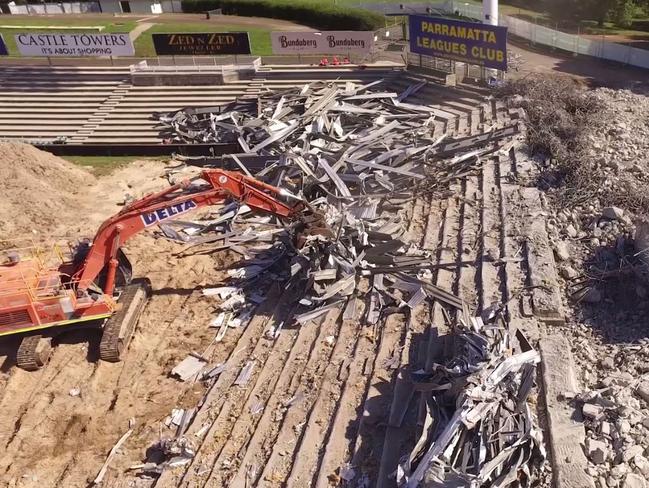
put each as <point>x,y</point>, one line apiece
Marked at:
<point>210,188</point>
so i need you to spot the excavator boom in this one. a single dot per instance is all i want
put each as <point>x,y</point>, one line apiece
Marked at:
<point>210,188</point>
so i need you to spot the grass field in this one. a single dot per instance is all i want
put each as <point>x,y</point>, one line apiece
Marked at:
<point>110,25</point>
<point>103,165</point>
<point>259,38</point>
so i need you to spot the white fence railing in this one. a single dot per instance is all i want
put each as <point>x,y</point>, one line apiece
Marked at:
<point>598,48</point>
<point>144,67</point>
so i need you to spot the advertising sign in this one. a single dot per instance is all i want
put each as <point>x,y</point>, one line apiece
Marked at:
<point>81,44</point>
<point>3,47</point>
<point>328,42</point>
<point>208,44</point>
<point>473,43</point>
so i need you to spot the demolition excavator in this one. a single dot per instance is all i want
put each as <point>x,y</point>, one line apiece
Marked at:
<point>94,282</point>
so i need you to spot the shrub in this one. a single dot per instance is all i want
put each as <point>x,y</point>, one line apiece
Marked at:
<point>312,13</point>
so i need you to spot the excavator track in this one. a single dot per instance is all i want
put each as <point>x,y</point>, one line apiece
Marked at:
<point>118,329</point>
<point>33,352</point>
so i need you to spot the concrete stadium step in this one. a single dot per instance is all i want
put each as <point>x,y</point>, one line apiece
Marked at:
<point>35,135</point>
<point>57,93</point>
<point>30,84</point>
<point>100,132</point>
<point>46,105</point>
<point>29,118</point>
<point>39,128</point>
<point>49,99</point>
<point>69,72</point>
<point>51,110</point>
<point>139,122</point>
<point>63,68</point>
<point>100,105</point>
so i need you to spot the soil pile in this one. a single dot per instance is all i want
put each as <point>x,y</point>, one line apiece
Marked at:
<point>37,190</point>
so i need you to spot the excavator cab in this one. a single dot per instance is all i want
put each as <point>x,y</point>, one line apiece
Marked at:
<point>38,294</point>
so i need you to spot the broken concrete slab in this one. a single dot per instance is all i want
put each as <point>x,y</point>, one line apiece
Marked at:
<point>566,432</point>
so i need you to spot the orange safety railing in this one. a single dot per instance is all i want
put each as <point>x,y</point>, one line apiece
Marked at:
<point>34,264</point>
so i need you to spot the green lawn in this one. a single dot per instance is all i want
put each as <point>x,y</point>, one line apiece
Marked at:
<point>259,38</point>
<point>103,165</point>
<point>109,26</point>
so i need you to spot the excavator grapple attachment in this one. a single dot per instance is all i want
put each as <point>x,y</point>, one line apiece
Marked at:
<point>118,329</point>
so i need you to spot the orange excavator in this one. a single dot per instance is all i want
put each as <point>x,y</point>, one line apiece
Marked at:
<point>94,284</point>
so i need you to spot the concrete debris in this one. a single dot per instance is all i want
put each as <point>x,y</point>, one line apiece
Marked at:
<point>213,372</point>
<point>166,454</point>
<point>189,368</point>
<point>613,213</point>
<point>633,480</point>
<point>597,451</point>
<point>593,412</point>
<point>175,418</point>
<point>643,391</point>
<point>476,396</point>
<point>562,250</point>
<point>245,374</point>
<point>257,407</point>
<point>355,157</point>
<point>347,472</point>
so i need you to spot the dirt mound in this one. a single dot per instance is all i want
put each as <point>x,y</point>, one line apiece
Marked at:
<point>37,190</point>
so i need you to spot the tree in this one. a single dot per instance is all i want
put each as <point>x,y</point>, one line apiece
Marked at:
<point>565,10</point>
<point>600,10</point>
<point>618,11</point>
<point>623,12</point>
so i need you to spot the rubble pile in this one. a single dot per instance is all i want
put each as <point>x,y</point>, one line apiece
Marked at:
<point>616,415</point>
<point>598,242</point>
<point>479,430</point>
<point>599,234</point>
<point>356,159</point>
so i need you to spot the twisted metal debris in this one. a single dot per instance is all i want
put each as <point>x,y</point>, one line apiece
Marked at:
<point>479,429</point>
<point>357,158</point>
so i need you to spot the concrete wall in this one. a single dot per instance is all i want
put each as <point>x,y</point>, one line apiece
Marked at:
<point>107,6</point>
<point>55,8</point>
<point>141,6</point>
<point>171,6</point>
<point>110,6</point>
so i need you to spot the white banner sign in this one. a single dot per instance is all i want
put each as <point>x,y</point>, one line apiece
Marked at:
<point>328,42</point>
<point>81,44</point>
